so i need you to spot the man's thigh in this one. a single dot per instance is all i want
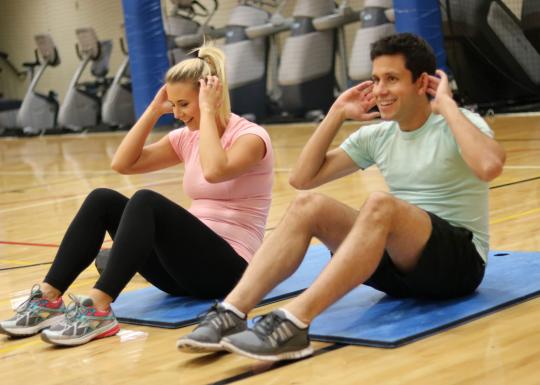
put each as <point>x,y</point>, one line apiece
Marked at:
<point>409,231</point>
<point>449,266</point>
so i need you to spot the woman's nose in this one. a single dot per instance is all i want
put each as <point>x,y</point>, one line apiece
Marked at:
<point>177,113</point>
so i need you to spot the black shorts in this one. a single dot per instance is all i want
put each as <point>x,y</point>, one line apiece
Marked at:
<point>449,267</point>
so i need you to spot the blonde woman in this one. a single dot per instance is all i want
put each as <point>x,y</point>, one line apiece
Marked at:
<point>201,251</point>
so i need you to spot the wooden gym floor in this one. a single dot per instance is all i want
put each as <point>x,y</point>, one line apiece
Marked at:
<point>44,180</point>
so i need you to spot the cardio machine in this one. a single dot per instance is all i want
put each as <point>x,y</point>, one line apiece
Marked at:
<point>38,112</point>
<point>495,65</point>
<point>299,82</point>
<point>117,108</point>
<point>306,72</point>
<point>377,22</point>
<point>82,104</point>
<point>530,20</point>
<point>186,27</point>
<point>246,56</point>
<point>9,107</point>
<point>250,49</point>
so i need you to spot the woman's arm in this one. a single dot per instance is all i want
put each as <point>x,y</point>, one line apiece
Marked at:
<point>132,156</point>
<point>219,165</point>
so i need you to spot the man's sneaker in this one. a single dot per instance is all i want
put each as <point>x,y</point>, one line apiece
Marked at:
<point>273,338</point>
<point>81,324</point>
<point>216,324</point>
<point>33,315</point>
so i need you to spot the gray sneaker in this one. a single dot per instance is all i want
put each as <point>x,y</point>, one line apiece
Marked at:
<point>215,325</point>
<point>33,315</point>
<point>81,324</point>
<point>273,338</point>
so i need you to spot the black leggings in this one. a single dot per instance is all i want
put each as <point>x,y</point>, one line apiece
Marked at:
<point>153,236</point>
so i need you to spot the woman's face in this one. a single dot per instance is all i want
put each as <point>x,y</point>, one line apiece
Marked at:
<point>184,98</point>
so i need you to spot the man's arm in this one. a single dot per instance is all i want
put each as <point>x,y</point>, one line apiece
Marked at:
<point>482,154</point>
<point>316,165</point>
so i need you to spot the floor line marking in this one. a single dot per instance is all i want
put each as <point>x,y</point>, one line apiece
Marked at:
<point>15,262</point>
<point>514,216</point>
<point>522,167</point>
<point>28,244</point>
<point>16,346</point>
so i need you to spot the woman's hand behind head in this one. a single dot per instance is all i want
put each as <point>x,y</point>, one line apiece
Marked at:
<point>161,103</point>
<point>210,94</point>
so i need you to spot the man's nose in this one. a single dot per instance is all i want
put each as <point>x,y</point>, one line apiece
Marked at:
<point>379,88</point>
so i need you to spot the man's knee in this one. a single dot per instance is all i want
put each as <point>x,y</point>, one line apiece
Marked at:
<point>378,207</point>
<point>307,203</point>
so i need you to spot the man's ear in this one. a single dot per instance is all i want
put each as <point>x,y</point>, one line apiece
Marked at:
<point>422,83</point>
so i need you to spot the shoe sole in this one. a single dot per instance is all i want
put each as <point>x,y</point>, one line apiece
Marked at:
<point>30,330</point>
<point>277,357</point>
<point>97,334</point>
<point>192,346</point>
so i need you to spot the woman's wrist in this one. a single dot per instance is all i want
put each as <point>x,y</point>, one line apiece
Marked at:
<point>154,110</point>
<point>208,110</point>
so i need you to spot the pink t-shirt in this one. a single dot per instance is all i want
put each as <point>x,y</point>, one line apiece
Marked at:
<point>236,209</point>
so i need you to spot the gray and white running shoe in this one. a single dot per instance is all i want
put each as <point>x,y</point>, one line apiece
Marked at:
<point>216,324</point>
<point>81,324</point>
<point>273,338</point>
<point>34,315</point>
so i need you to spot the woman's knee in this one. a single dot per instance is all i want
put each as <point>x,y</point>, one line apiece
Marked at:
<point>102,197</point>
<point>144,197</point>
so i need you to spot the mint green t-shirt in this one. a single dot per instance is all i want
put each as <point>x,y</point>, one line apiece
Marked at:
<point>425,168</point>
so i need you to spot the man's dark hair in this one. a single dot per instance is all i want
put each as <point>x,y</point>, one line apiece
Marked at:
<point>418,54</point>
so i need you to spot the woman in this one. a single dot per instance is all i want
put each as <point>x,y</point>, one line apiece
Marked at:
<point>201,252</point>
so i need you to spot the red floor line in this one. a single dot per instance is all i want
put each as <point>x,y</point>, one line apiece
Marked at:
<point>38,244</point>
<point>28,244</point>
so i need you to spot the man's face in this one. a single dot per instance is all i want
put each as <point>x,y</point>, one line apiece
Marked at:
<point>396,95</point>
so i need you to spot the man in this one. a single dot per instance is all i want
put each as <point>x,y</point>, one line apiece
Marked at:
<point>427,238</point>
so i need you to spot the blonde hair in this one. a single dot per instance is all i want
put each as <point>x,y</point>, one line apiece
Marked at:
<point>209,61</point>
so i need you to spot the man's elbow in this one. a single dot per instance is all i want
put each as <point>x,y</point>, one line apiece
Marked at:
<point>491,170</point>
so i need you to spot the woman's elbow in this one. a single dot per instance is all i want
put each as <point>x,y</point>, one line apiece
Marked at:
<point>298,183</point>
<point>118,167</point>
<point>214,176</point>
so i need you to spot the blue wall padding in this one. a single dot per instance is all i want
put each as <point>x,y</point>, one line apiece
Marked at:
<point>147,51</point>
<point>422,17</point>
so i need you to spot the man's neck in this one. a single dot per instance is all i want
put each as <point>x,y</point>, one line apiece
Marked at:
<point>417,119</point>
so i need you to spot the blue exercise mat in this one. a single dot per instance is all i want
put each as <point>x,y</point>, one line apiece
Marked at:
<point>150,306</point>
<point>367,317</point>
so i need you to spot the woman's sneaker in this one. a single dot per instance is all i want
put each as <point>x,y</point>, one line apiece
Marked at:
<point>216,324</point>
<point>273,338</point>
<point>34,315</point>
<point>81,324</point>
